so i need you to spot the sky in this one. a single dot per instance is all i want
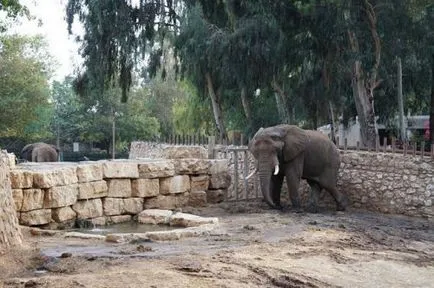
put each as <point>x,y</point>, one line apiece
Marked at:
<point>62,46</point>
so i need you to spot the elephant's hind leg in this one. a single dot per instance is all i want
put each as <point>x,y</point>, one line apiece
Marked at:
<point>341,199</point>
<point>315,190</point>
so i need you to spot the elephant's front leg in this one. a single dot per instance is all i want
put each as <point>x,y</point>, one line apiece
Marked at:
<point>293,176</point>
<point>275,188</point>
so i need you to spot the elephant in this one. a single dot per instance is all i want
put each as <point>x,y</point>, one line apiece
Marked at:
<point>296,154</point>
<point>40,152</point>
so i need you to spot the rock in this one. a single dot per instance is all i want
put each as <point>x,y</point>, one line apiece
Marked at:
<point>180,233</point>
<point>199,183</point>
<point>89,172</point>
<point>63,214</point>
<point>118,219</point>
<point>156,169</point>
<point>192,166</point>
<point>182,152</point>
<point>65,255</point>
<point>215,196</point>
<point>17,195</point>
<point>86,209</point>
<point>219,181</point>
<point>167,201</point>
<point>120,169</point>
<point>44,232</point>
<point>33,199</point>
<point>190,220</point>
<point>99,221</point>
<point>61,196</point>
<point>175,184</point>
<point>116,238</point>
<point>119,188</point>
<point>84,236</point>
<point>133,206</point>
<point>154,216</point>
<point>97,189</point>
<point>50,176</point>
<point>113,206</point>
<point>145,187</point>
<point>218,166</point>
<point>21,179</point>
<point>197,199</point>
<point>35,217</point>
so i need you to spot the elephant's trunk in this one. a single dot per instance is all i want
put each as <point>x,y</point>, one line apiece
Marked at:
<point>265,171</point>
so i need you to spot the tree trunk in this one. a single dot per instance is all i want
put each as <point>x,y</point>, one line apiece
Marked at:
<point>431,114</point>
<point>400,101</point>
<point>217,111</point>
<point>10,232</point>
<point>246,107</point>
<point>281,102</point>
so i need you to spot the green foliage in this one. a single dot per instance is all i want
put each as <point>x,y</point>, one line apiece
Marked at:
<point>24,72</point>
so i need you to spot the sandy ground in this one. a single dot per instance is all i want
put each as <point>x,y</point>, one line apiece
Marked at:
<point>253,247</point>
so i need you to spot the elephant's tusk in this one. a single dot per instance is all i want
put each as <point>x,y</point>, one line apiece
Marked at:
<point>276,169</point>
<point>251,174</point>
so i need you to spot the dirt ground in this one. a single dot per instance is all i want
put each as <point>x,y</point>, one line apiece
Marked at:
<point>253,247</point>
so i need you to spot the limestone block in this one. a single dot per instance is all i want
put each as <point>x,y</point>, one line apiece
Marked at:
<point>88,208</point>
<point>98,221</point>
<point>97,189</point>
<point>118,219</point>
<point>21,179</point>
<point>181,152</point>
<point>119,188</point>
<point>89,172</point>
<point>54,176</point>
<point>12,160</point>
<point>154,216</point>
<point>219,181</point>
<point>197,199</point>
<point>133,205</point>
<point>156,169</point>
<point>199,183</point>
<point>17,195</point>
<point>61,196</point>
<point>218,166</point>
<point>189,220</point>
<point>175,184</point>
<point>192,166</point>
<point>35,217</point>
<point>113,206</point>
<point>145,187</point>
<point>167,201</point>
<point>215,196</point>
<point>63,214</point>
<point>120,169</point>
<point>33,199</point>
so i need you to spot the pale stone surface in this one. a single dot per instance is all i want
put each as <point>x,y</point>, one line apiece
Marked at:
<point>54,175</point>
<point>118,219</point>
<point>63,214</point>
<point>98,221</point>
<point>167,201</point>
<point>84,236</point>
<point>199,183</point>
<point>113,206</point>
<point>219,181</point>
<point>12,160</point>
<point>181,152</point>
<point>189,220</point>
<point>88,208</point>
<point>175,184</point>
<point>21,179</point>
<point>180,233</point>
<point>17,195</point>
<point>215,196</point>
<point>97,189</point>
<point>61,196</point>
<point>145,187</point>
<point>133,205</point>
<point>119,188</point>
<point>156,169</point>
<point>218,166</point>
<point>197,199</point>
<point>89,172</point>
<point>120,169</point>
<point>192,166</point>
<point>35,217</point>
<point>33,199</point>
<point>154,216</point>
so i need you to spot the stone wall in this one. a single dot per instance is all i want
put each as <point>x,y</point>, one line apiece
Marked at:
<point>104,192</point>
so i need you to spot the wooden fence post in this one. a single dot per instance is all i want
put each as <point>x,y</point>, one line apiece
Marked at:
<point>345,144</point>
<point>377,143</point>
<point>236,174</point>
<point>422,149</point>
<point>358,146</point>
<point>211,147</point>
<point>393,145</point>
<point>245,172</point>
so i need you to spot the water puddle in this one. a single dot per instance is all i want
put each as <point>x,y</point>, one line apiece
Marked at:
<point>126,227</point>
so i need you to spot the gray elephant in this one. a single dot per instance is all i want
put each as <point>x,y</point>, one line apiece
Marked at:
<point>40,152</point>
<point>286,150</point>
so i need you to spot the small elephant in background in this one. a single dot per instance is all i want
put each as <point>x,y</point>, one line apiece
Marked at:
<point>291,152</point>
<point>40,152</point>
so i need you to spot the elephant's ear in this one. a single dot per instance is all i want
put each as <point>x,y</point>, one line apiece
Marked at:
<point>295,142</point>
